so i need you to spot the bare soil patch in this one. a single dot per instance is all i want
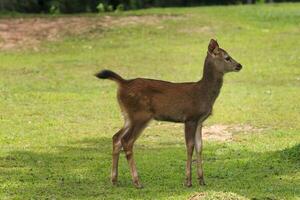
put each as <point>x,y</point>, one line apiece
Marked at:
<point>30,32</point>
<point>216,196</point>
<point>220,132</point>
<point>225,132</point>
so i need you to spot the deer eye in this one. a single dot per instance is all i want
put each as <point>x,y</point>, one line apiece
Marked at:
<point>227,58</point>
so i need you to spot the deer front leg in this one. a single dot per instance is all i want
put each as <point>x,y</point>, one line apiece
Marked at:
<point>198,148</point>
<point>190,129</point>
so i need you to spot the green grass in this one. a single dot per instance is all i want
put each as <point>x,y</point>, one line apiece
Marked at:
<point>57,120</point>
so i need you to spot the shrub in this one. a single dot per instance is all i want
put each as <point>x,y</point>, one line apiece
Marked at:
<point>101,7</point>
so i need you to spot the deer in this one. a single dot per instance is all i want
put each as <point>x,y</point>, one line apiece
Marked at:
<point>191,103</point>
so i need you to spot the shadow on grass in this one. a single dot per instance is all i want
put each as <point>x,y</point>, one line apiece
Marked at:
<point>82,170</point>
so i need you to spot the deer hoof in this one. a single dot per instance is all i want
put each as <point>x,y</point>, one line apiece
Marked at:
<point>114,182</point>
<point>201,181</point>
<point>138,185</point>
<point>188,184</point>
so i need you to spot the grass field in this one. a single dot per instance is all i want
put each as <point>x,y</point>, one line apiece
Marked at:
<point>57,119</point>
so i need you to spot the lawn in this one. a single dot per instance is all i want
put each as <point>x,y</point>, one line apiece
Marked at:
<point>57,119</point>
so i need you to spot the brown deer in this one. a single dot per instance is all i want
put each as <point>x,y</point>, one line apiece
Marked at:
<point>190,103</point>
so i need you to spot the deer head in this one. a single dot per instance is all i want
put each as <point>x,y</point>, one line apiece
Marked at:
<point>221,60</point>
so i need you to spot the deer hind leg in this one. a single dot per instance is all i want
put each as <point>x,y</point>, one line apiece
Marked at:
<point>189,129</point>
<point>117,146</point>
<point>127,142</point>
<point>198,148</point>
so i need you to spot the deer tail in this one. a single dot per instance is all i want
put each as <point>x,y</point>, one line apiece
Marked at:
<point>107,74</point>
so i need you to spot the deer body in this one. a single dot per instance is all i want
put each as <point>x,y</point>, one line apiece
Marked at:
<point>164,101</point>
<point>190,103</point>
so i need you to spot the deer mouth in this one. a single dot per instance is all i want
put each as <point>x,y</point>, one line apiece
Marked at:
<point>238,67</point>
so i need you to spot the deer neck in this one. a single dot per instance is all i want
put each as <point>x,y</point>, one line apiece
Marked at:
<point>212,80</point>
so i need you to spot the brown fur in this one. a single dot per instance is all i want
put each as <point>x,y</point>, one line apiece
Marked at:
<point>191,103</point>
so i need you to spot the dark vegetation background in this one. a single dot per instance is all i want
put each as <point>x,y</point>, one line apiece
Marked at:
<point>77,6</point>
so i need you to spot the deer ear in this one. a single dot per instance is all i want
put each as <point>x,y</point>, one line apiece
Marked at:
<point>213,45</point>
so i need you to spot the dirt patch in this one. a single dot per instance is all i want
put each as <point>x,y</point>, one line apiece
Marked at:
<point>20,33</point>
<point>219,132</point>
<point>224,132</point>
<point>199,196</point>
<point>30,32</point>
<point>216,196</point>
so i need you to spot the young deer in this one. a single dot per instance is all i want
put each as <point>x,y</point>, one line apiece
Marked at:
<point>190,103</point>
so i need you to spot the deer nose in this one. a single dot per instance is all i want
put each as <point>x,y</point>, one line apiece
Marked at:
<point>239,67</point>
